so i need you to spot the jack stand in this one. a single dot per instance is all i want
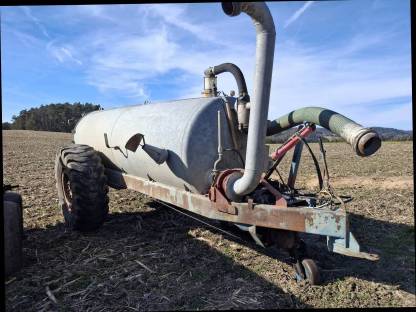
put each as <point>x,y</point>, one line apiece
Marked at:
<point>305,268</point>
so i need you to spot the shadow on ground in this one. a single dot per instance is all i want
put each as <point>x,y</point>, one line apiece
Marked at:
<point>138,260</point>
<point>394,243</point>
<point>150,261</point>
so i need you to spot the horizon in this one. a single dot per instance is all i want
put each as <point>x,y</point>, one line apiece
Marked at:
<point>349,56</point>
<point>317,126</point>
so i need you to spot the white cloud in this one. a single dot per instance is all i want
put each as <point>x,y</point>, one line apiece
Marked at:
<point>399,114</point>
<point>335,78</point>
<point>27,39</point>
<point>130,59</point>
<point>336,81</point>
<point>28,13</point>
<point>93,9</point>
<point>139,46</point>
<point>340,79</point>
<point>129,62</point>
<point>177,16</point>
<point>174,15</point>
<point>62,52</point>
<point>298,13</point>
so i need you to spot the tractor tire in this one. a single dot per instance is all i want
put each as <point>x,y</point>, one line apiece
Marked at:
<point>13,232</point>
<point>82,187</point>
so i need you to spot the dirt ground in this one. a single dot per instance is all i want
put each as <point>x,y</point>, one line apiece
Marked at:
<point>148,257</point>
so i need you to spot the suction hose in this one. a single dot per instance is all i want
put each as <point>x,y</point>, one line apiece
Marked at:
<point>364,141</point>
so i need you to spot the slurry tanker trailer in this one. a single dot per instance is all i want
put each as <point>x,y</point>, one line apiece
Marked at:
<point>208,156</point>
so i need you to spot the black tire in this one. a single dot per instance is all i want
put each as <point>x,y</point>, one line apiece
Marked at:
<point>13,232</point>
<point>82,187</point>
<point>15,198</point>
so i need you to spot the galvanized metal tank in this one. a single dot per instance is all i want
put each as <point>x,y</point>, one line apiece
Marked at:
<point>187,129</point>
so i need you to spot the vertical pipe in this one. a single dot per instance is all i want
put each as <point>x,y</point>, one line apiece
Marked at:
<point>230,122</point>
<point>220,148</point>
<point>265,41</point>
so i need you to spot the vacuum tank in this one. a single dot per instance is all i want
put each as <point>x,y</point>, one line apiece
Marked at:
<point>185,132</point>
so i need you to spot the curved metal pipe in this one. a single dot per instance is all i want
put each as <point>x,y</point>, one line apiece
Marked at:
<point>238,76</point>
<point>364,141</point>
<point>265,41</point>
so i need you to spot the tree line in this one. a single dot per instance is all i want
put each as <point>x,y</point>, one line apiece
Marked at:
<point>59,117</point>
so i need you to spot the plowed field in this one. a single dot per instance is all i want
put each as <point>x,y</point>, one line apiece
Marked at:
<point>148,257</point>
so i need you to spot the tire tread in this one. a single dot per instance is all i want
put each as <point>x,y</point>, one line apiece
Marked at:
<point>88,184</point>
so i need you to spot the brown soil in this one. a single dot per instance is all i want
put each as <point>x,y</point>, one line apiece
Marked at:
<point>388,183</point>
<point>146,257</point>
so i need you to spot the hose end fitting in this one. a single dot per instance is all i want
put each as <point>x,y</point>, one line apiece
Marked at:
<point>367,143</point>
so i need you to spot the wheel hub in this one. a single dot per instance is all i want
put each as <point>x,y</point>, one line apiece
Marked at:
<point>66,185</point>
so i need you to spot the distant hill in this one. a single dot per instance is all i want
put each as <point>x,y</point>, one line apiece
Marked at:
<point>386,134</point>
<point>389,134</point>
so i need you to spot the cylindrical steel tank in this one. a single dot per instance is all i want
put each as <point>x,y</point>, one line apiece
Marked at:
<point>187,129</point>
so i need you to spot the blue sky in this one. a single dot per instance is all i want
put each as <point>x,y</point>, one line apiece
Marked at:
<point>349,56</point>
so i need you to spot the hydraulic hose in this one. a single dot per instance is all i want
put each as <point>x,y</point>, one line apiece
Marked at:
<point>364,141</point>
<point>238,76</point>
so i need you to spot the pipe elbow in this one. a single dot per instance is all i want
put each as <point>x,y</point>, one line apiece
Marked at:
<point>247,183</point>
<point>258,11</point>
<point>233,69</point>
<point>238,183</point>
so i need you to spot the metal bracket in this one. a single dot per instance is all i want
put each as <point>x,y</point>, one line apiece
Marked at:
<point>217,194</point>
<point>115,147</point>
<point>253,232</point>
<point>220,202</point>
<point>349,246</point>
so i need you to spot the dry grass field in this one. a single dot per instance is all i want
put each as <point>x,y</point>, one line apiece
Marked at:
<point>147,257</point>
